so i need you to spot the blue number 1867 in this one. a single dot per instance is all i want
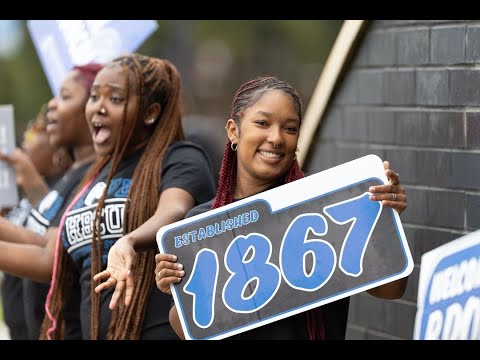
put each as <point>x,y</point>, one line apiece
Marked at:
<point>248,260</point>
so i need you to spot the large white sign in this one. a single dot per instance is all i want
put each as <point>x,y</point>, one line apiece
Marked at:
<point>285,251</point>
<point>449,291</point>
<point>62,44</point>
<point>8,186</point>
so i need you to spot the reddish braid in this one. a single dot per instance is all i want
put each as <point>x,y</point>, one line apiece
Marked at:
<point>87,74</point>
<point>227,179</point>
<point>247,95</point>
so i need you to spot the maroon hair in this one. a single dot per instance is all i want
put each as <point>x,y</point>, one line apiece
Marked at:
<point>88,73</point>
<point>247,95</point>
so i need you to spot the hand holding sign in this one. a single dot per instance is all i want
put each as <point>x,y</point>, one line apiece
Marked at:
<point>167,272</point>
<point>393,194</point>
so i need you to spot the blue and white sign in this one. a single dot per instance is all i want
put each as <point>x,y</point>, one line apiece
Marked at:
<point>285,251</point>
<point>449,291</point>
<point>11,38</point>
<point>8,185</point>
<point>62,44</point>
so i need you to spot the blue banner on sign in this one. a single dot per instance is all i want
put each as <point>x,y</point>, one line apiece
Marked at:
<point>62,44</point>
<point>449,291</point>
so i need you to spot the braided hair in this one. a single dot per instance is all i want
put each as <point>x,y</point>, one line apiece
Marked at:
<point>156,81</point>
<point>247,95</point>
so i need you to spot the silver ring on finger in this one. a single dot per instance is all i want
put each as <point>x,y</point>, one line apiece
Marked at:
<point>394,196</point>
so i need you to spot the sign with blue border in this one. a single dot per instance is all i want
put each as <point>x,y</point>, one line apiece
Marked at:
<point>8,185</point>
<point>449,291</point>
<point>62,44</point>
<point>285,251</point>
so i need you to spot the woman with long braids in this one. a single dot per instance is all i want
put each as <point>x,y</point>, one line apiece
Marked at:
<point>145,176</point>
<point>26,251</point>
<point>259,155</point>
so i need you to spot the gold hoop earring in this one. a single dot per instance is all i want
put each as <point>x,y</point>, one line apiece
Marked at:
<point>233,146</point>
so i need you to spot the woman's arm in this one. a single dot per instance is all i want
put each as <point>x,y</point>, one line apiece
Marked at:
<point>390,291</point>
<point>30,261</point>
<point>175,322</point>
<point>167,272</point>
<point>173,205</point>
<point>12,233</point>
<point>385,193</point>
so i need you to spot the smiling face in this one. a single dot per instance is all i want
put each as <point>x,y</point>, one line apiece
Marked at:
<point>66,114</point>
<point>267,139</point>
<point>105,109</point>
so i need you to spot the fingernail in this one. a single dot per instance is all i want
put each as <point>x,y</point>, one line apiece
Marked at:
<point>179,266</point>
<point>174,258</point>
<point>371,197</point>
<point>181,273</point>
<point>371,189</point>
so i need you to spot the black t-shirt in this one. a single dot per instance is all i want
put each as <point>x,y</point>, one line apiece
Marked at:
<point>48,214</point>
<point>12,287</point>
<point>334,315</point>
<point>185,166</point>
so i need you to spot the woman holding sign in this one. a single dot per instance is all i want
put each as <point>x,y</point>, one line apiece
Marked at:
<point>260,154</point>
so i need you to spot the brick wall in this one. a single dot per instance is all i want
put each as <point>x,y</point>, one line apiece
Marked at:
<point>411,95</point>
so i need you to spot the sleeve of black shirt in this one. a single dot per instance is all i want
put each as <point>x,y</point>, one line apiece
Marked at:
<point>187,166</point>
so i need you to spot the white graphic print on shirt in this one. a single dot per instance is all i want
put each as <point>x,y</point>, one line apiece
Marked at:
<point>39,219</point>
<point>77,230</point>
